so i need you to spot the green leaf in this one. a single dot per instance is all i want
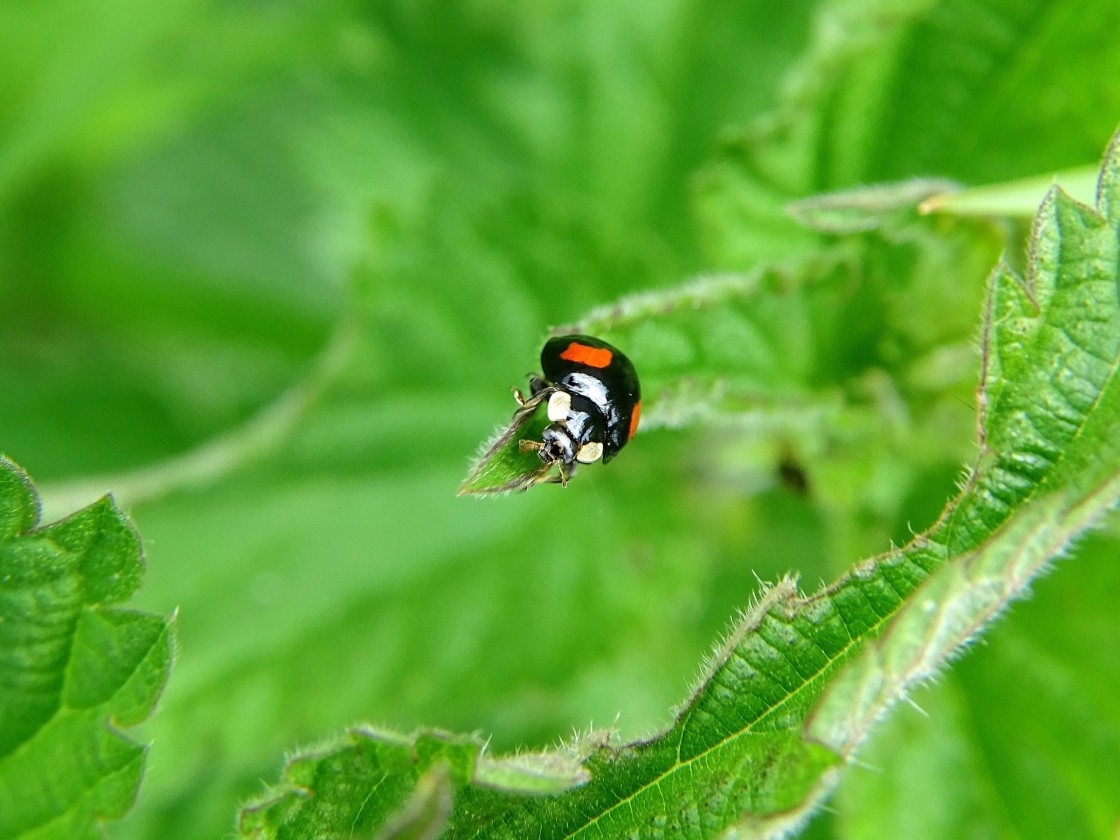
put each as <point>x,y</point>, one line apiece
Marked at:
<point>380,780</point>
<point>74,667</point>
<point>1050,464</point>
<point>176,244</point>
<point>967,734</point>
<point>887,90</point>
<point>501,466</point>
<point>800,681</point>
<point>816,361</point>
<point>791,351</point>
<point>20,510</point>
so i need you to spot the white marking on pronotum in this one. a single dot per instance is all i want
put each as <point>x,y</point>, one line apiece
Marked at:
<point>589,453</point>
<point>559,404</point>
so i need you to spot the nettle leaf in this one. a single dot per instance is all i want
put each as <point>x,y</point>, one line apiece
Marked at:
<point>786,700</point>
<point>794,353</point>
<point>818,356</point>
<point>729,349</point>
<point>501,466</point>
<point>1050,464</point>
<point>73,668</point>
<point>400,785</point>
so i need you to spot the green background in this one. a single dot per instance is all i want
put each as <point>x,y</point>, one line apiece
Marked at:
<point>193,199</point>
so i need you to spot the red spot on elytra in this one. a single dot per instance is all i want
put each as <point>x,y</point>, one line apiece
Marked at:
<point>581,354</point>
<point>634,420</point>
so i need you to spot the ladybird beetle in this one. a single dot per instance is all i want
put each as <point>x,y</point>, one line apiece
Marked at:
<point>594,402</point>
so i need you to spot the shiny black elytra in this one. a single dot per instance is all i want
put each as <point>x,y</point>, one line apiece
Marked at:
<point>594,402</point>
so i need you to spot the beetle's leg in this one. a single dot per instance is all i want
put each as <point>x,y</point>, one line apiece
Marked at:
<point>560,479</point>
<point>566,475</point>
<point>537,384</point>
<point>528,406</point>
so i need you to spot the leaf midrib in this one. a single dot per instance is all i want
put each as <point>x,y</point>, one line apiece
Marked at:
<point>749,728</point>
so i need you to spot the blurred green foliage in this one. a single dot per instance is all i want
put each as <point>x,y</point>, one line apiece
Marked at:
<point>194,198</point>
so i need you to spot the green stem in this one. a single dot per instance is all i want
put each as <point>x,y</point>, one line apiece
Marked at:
<point>1013,199</point>
<point>220,456</point>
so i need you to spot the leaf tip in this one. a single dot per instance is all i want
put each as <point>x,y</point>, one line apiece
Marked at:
<point>532,773</point>
<point>20,506</point>
<point>1108,185</point>
<point>501,466</point>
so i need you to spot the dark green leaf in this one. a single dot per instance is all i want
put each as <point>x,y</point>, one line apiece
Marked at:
<point>74,667</point>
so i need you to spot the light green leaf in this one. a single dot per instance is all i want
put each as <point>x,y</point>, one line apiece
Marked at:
<point>993,736</point>
<point>817,360</point>
<point>501,465</point>
<point>394,784</point>
<point>890,90</point>
<point>73,668</point>
<point>754,749</point>
<point>177,222</point>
